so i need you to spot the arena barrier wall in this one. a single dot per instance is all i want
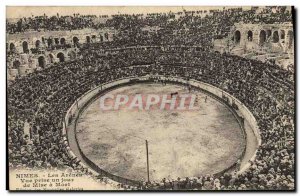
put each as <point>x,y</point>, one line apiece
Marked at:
<point>235,165</point>
<point>246,113</point>
<point>82,102</point>
<point>73,113</point>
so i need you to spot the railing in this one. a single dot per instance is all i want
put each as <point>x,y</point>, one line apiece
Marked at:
<point>78,106</point>
<point>231,102</point>
<point>246,113</point>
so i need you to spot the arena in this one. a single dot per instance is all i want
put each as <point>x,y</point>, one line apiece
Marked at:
<point>115,140</point>
<point>241,138</point>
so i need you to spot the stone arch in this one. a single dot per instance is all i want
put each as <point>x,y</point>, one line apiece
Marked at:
<point>106,36</point>
<point>94,38</point>
<point>275,37</point>
<point>12,47</point>
<point>62,41</point>
<point>72,55</point>
<point>237,37</point>
<point>61,57</point>
<point>250,36</point>
<point>290,36</point>
<point>42,61</point>
<point>282,34</point>
<point>25,47</point>
<point>37,43</point>
<point>49,42</point>
<point>262,37</point>
<point>199,49</point>
<point>269,33</point>
<point>88,39</point>
<point>51,58</point>
<point>16,64</point>
<point>56,41</point>
<point>75,41</point>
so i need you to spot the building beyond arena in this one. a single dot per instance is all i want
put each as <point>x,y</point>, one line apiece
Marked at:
<point>264,42</point>
<point>38,50</point>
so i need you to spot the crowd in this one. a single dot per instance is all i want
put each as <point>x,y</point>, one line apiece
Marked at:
<point>182,28</point>
<point>41,99</point>
<point>37,102</point>
<point>270,99</point>
<point>46,23</point>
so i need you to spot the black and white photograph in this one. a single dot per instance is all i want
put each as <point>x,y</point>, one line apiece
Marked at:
<point>150,98</point>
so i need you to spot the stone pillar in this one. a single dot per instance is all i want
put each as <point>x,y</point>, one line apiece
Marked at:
<point>24,58</point>
<point>33,63</point>
<point>110,37</point>
<point>9,77</point>
<point>23,65</point>
<point>22,70</point>
<point>256,37</point>
<point>13,72</point>
<point>29,70</point>
<point>10,64</point>
<point>67,58</point>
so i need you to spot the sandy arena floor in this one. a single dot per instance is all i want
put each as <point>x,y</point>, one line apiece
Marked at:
<point>181,143</point>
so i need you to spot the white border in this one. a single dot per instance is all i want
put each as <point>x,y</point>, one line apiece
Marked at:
<point>4,3</point>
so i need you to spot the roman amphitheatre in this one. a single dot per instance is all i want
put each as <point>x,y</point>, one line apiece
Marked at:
<point>238,62</point>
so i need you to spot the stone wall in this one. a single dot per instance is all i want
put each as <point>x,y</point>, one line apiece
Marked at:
<point>36,50</point>
<point>263,42</point>
<point>265,37</point>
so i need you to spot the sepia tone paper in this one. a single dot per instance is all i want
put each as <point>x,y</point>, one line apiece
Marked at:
<point>150,98</point>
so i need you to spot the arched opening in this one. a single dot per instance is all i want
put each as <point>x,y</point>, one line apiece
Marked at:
<point>262,37</point>
<point>12,47</point>
<point>237,37</point>
<point>72,55</point>
<point>101,38</point>
<point>94,38</point>
<point>250,36</point>
<point>282,34</point>
<point>56,40</point>
<point>75,41</point>
<point>25,47</point>
<point>62,41</point>
<point>49,42</point>
<point>16,64</point>
<point>37,43</point>
<point>61,57</point>
<point>88,39</point>
<point>106,36</point>
<point>290,35</point>
<point>43,40</point>
<point>42,62</point>
<point>275,37</point>
<point>269,33</point>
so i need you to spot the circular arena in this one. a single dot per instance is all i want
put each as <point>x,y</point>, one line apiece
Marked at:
<point>112,142</point>
<point>210,136</point>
